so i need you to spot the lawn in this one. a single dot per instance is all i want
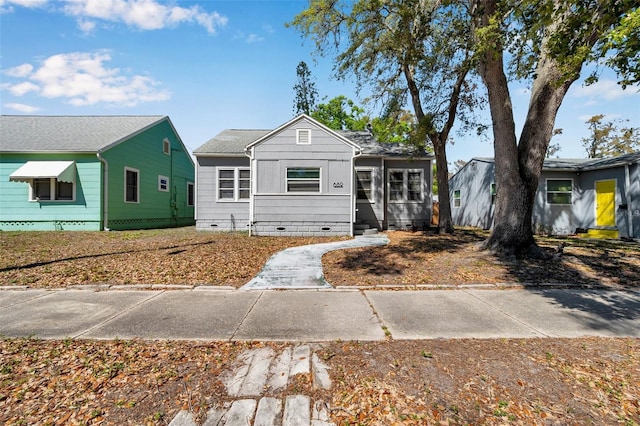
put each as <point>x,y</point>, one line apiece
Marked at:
<point>186,256</point>
<point>444,381</point>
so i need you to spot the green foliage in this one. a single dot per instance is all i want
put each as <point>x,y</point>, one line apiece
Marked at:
<point>609,140</point>
<point>305,90</point>
<point>341,113</point>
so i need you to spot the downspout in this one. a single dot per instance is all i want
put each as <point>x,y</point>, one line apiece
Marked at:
<point>627,184</point>
<point>249,153</point>
<point>105,191</point>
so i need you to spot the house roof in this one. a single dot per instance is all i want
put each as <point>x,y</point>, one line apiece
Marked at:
<point>29,133</point>
<point>234,142</point>
<point>581,164</point>
<point>230,142</point>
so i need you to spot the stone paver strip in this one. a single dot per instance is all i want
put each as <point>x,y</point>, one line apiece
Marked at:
<point>268,412</point>
<point>279,372</point>
<point>183,418</point>
<point>297,411</point>
<point>214,417</point>
<point>241,413</point>
<point>320,372</point>
<point>256,378</point>
<point>300,360</point>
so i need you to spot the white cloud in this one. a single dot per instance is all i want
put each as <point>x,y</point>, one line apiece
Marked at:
<point>254,38</point>
<point>82,79</point>
<point>20,71</point>
<point>22,108</point>
<point>6,4</point>
<point>603,89</point>
<point>143,14</point>
<point>23,88</point>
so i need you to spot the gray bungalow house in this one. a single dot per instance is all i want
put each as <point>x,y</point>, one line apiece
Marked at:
<point>305,179</point>
<point>598,196</point>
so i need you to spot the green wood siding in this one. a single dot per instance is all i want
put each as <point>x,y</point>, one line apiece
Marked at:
<point>155,208</point>
<point>17,212</point>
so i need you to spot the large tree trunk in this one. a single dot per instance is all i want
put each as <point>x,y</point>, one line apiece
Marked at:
<point>445,222</point>
<point>518,165</point>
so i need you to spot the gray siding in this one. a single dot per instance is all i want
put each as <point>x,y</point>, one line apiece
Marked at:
<point>410,214</point>
<point>475,208</point>
<point>298,215</point>
<point>474,183</point>
<point>277,212</point>
<point>633,212</point>
<point>211,214</point>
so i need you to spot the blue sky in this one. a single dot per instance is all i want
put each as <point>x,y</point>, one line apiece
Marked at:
<point>208,65</point>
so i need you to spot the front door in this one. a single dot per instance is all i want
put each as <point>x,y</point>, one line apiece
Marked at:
<point>606,202</point>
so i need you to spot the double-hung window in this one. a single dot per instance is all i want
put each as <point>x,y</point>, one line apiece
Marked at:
<point>559,191</point>
<point>303,179</point>
<point>364,180</point>
<point>51,189</point>
<point>234,184</point>
<point>456,198</point>
<point>131,185</point>
<point>406,185</point>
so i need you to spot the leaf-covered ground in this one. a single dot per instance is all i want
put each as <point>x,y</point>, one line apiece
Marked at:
<point>499,381</point>
<point>491,382</point>
<point>415,258</point>
<point>162,256</point>
<point>186,256</point>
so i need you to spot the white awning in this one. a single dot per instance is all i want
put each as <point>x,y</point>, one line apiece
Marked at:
<point>64,171</point>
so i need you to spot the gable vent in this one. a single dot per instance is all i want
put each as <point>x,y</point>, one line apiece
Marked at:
<point>304,137</point>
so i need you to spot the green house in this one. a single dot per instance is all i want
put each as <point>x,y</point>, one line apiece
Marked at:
<point>93,173</point>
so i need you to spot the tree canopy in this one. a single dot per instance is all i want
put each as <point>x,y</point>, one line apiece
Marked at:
<point>607,139</point>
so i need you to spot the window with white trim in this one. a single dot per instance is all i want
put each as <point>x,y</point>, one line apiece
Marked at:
<point>456,198</point>
<point>131,185</point>
<point>364,180</point>
<point>51,189</point>
<point>234,184</point>
<point>303,179</point>
<point>406,185</point>
<point>559,191</point>
<point>303,136</point>
<point>163,183</point>
<point>166,146</point>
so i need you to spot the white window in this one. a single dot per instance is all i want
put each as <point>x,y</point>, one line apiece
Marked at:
<point>492,190</point>
<point>364,180</point>
<point>166,146</point>
<point>51,189</point>
<point>303,136</point>
<point>234,184</point>
<point>131,185</point>
<point>190,194</point>
<point>303,179</point>
<point>456,198</point>
<point>163,183</point>
<point>405,185</point>
<point>559,191</point>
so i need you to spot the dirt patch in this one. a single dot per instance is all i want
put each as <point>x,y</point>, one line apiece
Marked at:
<point>162,256</point>
<point>532,381</point>
<point>415,258</point>
<point>187,256</point>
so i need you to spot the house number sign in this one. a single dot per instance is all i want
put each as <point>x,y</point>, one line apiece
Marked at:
<point>338,184</point>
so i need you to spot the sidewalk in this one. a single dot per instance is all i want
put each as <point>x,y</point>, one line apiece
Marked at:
<point>318,315</point>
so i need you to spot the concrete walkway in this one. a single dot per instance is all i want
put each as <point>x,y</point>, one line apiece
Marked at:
<point>301,267</point>
<point>318,315</point>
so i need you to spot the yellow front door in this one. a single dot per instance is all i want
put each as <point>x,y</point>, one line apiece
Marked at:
<point>606,203</point>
